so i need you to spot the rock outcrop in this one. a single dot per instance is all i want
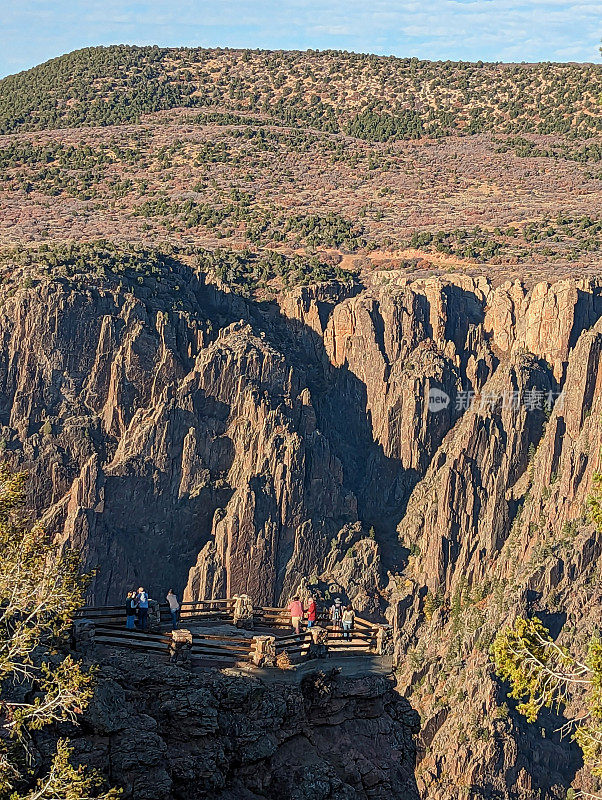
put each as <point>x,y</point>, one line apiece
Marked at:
<point>164,733</point>
<point>425,447</point>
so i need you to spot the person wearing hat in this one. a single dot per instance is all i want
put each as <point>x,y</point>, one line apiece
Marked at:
<point>142,605</point>
<point>336,614</point>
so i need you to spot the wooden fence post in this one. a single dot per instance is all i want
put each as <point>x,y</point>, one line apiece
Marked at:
<point>318,646</point>
<point>84,634</point>
<point>384,640</point>
<point>154,616</point>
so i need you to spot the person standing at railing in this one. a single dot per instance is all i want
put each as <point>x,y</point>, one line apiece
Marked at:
<point>130,611</point>
<point>311,613</point>
<point>296,611</point>
<point>348,620</point>
<point>336,613</point>
<point>142,604</point>
<point>174,609</point>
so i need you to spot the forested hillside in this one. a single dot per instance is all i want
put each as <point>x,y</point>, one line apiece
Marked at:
<point>305,166</point>
<point>369,97</point>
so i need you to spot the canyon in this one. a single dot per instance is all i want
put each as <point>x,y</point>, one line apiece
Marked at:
<point>259,447</point>
<point>279,322</point>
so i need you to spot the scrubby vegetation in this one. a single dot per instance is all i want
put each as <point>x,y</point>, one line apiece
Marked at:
<point>247,271</point>
<point>260,225</point>
<point>162,272</point>
<point>100,259</point>
<point>370,97</point>
<point>590,152</point>
<point>562,236</point>
<point>394,164</point>
<point>64,92</point>
<point>54,168</point>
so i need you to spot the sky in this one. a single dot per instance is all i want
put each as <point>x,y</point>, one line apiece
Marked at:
<point>32,31</point>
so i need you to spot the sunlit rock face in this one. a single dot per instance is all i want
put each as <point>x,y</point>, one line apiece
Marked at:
<point>230,446</point>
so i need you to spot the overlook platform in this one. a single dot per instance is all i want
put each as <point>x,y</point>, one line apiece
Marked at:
<point>210,636</point>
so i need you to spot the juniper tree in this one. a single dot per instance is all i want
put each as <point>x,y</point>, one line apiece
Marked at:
<point>40,682</point>
<point>429,606</point>
<point>543,674</point>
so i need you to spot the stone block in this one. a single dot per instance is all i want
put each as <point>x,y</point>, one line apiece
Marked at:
<point>180,646</point>
<point>264,652</point>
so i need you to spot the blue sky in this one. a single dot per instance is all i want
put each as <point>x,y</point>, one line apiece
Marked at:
<point>32,31</point>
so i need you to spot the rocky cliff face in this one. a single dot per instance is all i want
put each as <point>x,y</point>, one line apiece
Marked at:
<point>158,731</point>
<point>498,527</point>
<point>222,445</point>
<point>162,733</point>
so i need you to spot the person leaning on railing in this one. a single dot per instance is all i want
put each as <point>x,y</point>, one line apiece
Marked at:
<point>142,604</point>
<point>311,613</point>
<point>296,611</point>
<point>130,611</point>
<point>174,609</point>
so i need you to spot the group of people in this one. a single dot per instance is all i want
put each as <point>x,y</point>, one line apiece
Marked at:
<point>342,617</point>
<point>136,609</point>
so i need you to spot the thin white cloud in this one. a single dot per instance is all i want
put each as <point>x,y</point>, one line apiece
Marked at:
<point>529,30</point>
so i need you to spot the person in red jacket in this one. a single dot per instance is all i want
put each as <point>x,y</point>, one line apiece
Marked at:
<point>296,611</point>
<point>311,613</point>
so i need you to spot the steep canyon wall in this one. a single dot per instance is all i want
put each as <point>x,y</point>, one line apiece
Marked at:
<point>224,445</point>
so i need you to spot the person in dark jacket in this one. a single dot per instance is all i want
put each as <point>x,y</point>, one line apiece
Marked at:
<point>142,605</point>
<point>130,611</point>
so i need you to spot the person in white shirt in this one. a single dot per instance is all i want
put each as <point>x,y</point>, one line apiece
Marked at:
<point>174,609</point>
<point>348,620</point>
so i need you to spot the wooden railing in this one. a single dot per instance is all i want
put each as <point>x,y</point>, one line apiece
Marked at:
<point>110,621</point>
<point>216,648</point>
<point>211,610</point>
<point>203,609</point>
